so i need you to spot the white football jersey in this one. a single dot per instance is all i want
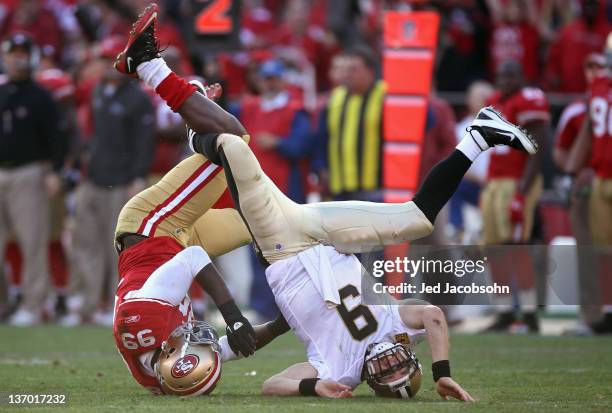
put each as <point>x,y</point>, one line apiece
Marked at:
<point>335,337</point>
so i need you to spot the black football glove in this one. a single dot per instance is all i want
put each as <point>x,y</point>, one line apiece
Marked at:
<point>240,333</point>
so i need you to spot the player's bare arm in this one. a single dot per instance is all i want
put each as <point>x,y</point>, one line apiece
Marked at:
<point>300,380</point>
<point>204,116</point>
<point>432,319</point>
<point>240,333</point>
<point>267,332</point>
<point>263,333</point>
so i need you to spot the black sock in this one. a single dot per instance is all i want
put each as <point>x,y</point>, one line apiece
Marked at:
<point>441,183</point>
<point>206,144</point>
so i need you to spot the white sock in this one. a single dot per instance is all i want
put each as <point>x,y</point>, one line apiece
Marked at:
<point>153,72</point>
<point>472,144</point>
<point>227,354</point>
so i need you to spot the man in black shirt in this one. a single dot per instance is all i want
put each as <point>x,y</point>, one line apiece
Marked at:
<point>117,161</point>
<point>31,155</point>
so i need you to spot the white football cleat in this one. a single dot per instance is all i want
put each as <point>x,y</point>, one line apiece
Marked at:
<point>70,320</point>
<point>103,318</point>
<point>496,130</point>
<point>24,318</point>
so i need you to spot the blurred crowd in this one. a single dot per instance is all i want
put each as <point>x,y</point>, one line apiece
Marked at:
<point>78,140</point>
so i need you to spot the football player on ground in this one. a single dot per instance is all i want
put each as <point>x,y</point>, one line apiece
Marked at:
<point>316,285</point>
<point>165,236</point>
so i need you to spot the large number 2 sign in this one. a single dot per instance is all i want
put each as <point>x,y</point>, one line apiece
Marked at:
<point>214,18</point>
<point>601,116</point>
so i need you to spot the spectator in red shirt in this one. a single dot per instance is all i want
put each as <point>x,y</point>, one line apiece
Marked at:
<point>31,17</point>
<point>515,36</point>
<point>279,129</point>
<point>302,31</point>
<point>574,43</point>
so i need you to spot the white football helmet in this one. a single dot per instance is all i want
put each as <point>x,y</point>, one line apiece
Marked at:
<point>392,370</point>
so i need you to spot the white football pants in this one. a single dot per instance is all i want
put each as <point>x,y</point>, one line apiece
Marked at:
<point>283,228</point>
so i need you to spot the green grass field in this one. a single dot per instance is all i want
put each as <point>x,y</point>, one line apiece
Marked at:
<point>504,373</point>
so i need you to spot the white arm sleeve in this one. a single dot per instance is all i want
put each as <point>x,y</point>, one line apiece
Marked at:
<point>171,281</point>
<point>227,354</point>
<point>145,363</point>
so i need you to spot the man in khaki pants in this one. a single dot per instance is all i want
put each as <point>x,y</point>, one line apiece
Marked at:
<point>29,145</point>
<point>118,160</point>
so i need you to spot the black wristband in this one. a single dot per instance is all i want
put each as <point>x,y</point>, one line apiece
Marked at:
<point>307,387</point>
<point>440,369</point>
<point>230,311</point>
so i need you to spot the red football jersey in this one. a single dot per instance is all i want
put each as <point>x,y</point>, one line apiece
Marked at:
<point>142,324</point>
<point>525,106</point>
<point>600,112</point>
<point>570,124</point>
<point>57,82</point>
<point>518,42</point>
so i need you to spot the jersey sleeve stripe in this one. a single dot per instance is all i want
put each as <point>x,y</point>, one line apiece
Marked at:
<point>148,300</point>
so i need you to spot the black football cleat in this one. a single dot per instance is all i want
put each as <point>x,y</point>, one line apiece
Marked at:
<point>502,323</point>
<point>532,322</point>
<point>496,130</point>
<point>142,45</point>
<point>604,325</point>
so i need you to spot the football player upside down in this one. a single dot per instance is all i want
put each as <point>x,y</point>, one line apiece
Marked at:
<point>166,233</point>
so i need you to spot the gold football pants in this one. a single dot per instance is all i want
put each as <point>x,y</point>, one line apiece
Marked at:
<point>179,206</point>
<point>495,201</point>
<point>600,209</point>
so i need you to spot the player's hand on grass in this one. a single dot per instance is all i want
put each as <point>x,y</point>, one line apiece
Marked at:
<point>333,389</point>
<point>241,336</point>
<point>447,387</point>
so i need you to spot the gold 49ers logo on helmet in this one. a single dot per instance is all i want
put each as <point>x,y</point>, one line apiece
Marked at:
<point>190,360</point>
<point>184,365</point>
